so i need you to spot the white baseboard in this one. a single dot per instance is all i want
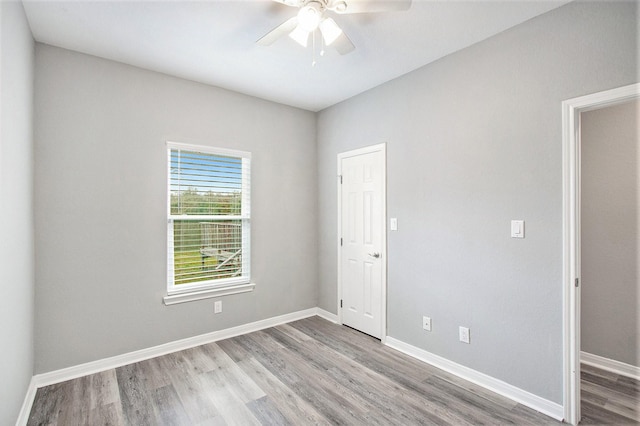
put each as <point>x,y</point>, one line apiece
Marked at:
<point>611,365</point>
<point>25,410</point>
<point>57,376</point>
<point>523,397</point>
<point>327,315</point>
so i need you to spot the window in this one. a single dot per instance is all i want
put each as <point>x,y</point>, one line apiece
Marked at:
<point>208,224</point>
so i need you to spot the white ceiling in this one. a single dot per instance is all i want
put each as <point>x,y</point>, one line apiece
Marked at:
<point>213,41</point>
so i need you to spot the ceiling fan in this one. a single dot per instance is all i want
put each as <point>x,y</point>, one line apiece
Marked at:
<point>311,17</point>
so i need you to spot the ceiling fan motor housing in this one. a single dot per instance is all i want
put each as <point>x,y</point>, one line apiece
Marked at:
<point>310,15</point>
<point>339,6</point>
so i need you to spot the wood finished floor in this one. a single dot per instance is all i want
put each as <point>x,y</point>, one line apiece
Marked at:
<point>307,372</point>
<point>608,398</point>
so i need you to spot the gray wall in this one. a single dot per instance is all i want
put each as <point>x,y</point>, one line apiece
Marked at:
<point>100,191</point>
<point>610,286</point>
<point>16,212</point>
<point>474,140</point>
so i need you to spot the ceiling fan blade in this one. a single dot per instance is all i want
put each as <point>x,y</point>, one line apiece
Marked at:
<point>281,30</point>
<point>343,44</point>
<point>368,6</point>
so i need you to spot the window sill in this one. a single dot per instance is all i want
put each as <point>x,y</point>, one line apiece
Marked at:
<point>191,296</point>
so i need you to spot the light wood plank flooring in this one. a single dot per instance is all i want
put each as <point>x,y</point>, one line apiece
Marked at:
<point>306,372</point>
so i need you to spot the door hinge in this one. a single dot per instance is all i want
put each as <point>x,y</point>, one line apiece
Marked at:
<point>341,303</point>
<point>340,242</point>
<point>577,282</point>
<point>340,176</point>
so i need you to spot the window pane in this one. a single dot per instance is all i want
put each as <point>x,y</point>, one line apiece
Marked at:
<point>208,250</point>
<point>205,184</point>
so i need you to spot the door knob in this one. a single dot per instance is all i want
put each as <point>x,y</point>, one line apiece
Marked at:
<point>376,255</point>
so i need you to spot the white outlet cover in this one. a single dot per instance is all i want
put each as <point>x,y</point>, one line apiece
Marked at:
<point>217,307</point>
<point>464,334</point>
<point>426,323</point>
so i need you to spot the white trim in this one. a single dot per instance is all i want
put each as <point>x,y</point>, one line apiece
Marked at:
<point>571,366</point>
<point>571,110</point>
<point>57,376</point>
<point>25,410</point>
<point>208,149</point>
<point>381,147</point>
<point>339,241</point>
<point>611,365</point>
<point>516,394</point>
<point>190,296</point>
<point>327,315</point>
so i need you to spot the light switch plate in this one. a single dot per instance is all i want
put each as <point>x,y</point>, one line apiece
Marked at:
<point>393,222</point>
<point>517,229</point>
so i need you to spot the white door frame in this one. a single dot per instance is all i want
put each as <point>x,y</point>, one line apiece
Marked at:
<point>383,252</point>
<point>571,179</point>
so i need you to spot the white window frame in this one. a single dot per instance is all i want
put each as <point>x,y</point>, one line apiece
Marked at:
<point>218,287</point>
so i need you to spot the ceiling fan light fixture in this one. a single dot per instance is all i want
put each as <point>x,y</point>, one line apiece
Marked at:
<point>300,35</point>
<point>309,16</point>
<point>330,31</point>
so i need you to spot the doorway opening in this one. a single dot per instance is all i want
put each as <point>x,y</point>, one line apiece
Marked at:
<point>571,150</point>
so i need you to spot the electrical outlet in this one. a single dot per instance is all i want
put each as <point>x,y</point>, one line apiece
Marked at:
<point>426,323</point>
<point>464,334</point>
<point>217,307</point>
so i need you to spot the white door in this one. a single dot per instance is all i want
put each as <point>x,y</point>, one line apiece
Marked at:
<point>362,253</point>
